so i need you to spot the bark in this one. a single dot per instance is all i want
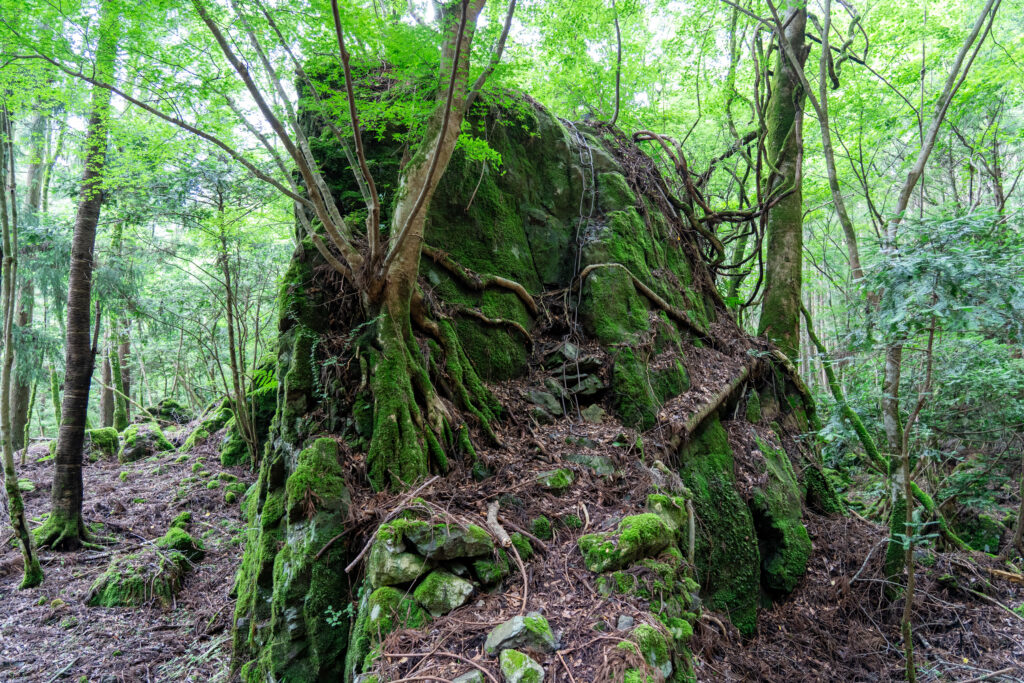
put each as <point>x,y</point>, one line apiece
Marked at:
<point>107,393</point>
<point>21,389</point>
<point>780,309</point>
<point>32,574</point>
<point>64,528</point>
<point>22,382</point>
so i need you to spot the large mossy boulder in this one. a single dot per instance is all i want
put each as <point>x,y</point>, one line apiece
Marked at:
<point>646,302</point>
<point>102,443</point>
<point>170,410</point>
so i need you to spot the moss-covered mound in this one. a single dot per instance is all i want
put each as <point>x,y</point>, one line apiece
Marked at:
<point>141,441</point>
<point>103,442</point>
<point>170,410</point>
<point>154,573</point>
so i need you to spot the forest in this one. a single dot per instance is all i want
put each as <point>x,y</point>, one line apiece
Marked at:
<point>608,341</point>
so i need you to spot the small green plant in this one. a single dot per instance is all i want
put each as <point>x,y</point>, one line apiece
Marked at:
<point>123,476</point>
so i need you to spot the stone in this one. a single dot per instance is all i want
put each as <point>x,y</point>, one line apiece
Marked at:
<point>600,464</point>
<point>446,542</point>
<point>624,623</point>
<point>517,667</point>
<point>142,441</point>
<point>442,592</point>
<point>474,676</point>
<point>531,633</point>
<point>545,400</point>
<point>388,565</point>
<point>636,537</point>
<point>671,511</point>
<point>588,385</point>
<point>565,353</point>
<point>556,480</point>
<point>593,413</point>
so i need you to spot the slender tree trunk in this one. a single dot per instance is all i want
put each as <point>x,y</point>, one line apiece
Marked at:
<point>22,382</point>
<point>780,309</point>
<point>64,528</point>
<point>107,392</point>
<point>32,574</point>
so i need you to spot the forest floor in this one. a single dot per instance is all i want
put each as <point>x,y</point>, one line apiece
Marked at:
<point>48,633</point>
<point>837,625</point>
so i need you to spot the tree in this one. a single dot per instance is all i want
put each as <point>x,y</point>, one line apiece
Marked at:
<point>780,309</point>
<point>32,574</point>
<point>64,527</point>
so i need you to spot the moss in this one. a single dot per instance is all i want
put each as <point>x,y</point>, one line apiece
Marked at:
<point>727,555</point>
<point>490,572</point>
<point>440,592</point>
<point>980,531</point>
<point>753,411</point>
<point>317,479</point>
<point>213,484</point>
<point>541,528</point>
<point>556,480</point>
<point>381,612</point>
<point>637,536</point>
<point>518,667</point>
<point>614,191</point>
<point>653,648</point>
<point>104,442</point>
<point>784,545</point>
<point>139,443</point>
<point>572,521</point>
<point>522,545</point>
<point>196,438</point>
<point>182,520</point>
<point>895,553</point>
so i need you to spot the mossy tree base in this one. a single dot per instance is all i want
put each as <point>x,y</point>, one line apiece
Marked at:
<point>61,531</point>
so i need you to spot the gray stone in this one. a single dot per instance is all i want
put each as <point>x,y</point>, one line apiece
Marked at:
<point>600,464</point>
<point>517,667</point>
<point>545,400</point>
<point>474,676</point>
<point>625,623</point>
<point>442,592</point>
<point>542,416</point>
<point>446,542</point>
<point>594,414</point>
<point>531,633</point>
<point>589,385</point>
<point>389,565</point>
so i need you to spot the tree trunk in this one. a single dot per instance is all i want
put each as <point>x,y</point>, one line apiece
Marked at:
<point>22,381</point>
<point>780,309</point>
<point>64,528</point>
<point>21,390</point>
<point>107,392</point>
<point>32,574</point>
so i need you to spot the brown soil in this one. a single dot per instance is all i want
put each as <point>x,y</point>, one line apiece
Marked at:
<point>48,633</point>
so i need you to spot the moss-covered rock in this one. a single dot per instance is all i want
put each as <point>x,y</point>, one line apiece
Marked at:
<point>531,633</point>
<point>154,573</point>
<point>517,667</point>
<point>440,592</point>
<point>727,555</point>
<point>388,563</point>
<point>103,443</point>
<point>317,483</point>
<point>556,480</point>
<point>141,441</point>
<point>653,646</point>
<point>380,612</point>
<point>445,541</point>
<point>784,545</point>
<point>170,410</point>
<point>637,536</point>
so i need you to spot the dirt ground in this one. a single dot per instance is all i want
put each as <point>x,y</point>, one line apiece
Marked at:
<point>48,633</point>
<point>836,626</point>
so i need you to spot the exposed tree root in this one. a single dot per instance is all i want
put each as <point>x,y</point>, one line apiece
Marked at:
<point>497,322</point>
<point>477,282</point>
